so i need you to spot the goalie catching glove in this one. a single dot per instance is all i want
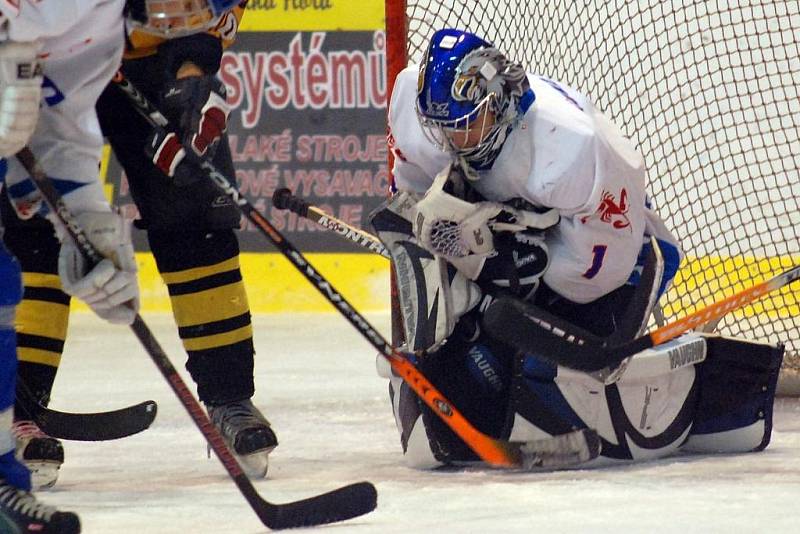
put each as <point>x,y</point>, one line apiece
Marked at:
<point>199,106</point>
<point>110,288</point>
<point>496,244</point>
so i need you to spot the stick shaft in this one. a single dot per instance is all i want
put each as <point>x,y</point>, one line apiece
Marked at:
<point>723,307</point>
<point>357,236</point>
<point>284,199</point>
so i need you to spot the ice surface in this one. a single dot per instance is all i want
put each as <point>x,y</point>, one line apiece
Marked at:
<point>316,382</point>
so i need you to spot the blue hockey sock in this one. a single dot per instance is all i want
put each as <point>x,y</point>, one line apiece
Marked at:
<point>14,472</point>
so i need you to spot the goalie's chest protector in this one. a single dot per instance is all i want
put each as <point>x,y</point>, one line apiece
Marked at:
<point>567,155</point>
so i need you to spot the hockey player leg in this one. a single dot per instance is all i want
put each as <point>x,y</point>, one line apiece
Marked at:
<point>644,415</point>
<point>210,306</point>
<point>737,392</point>
<point>722,404</point>
<point>19,510</point>
<point>197,253</point>
<point>41,323</point>
<point>434,299</point>
<point>473,377</point>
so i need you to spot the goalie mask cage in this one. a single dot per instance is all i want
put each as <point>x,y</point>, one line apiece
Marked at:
<point>708,91</point>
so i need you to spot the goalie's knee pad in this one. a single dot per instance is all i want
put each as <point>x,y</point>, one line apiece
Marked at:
<point>475,377</point>
<point>419,450</point>
<point>737,392</point>
<point>433,295</point>
<point>637,420</point>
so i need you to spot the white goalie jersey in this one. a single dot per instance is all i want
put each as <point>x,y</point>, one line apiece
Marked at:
<point>81,48</point>
<point>563,154</point>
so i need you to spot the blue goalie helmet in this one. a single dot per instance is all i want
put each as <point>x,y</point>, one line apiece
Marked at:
<point>469,95</point>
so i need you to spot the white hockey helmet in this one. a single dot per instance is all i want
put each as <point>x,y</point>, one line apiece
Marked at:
<point>176,18</point>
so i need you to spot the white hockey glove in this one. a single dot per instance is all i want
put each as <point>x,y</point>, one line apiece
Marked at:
<point>20,93</point>
<point>110,288</point>
<point>451,227</point>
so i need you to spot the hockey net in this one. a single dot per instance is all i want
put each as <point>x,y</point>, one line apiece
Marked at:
<point>708,90</point>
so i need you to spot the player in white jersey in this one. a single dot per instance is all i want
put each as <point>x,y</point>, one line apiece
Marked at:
<point>65,51</point>
<point>513,185</point>
<point>78,45</point>
<point>81,45</point>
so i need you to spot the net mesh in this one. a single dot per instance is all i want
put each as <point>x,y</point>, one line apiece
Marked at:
<point>708,90</point>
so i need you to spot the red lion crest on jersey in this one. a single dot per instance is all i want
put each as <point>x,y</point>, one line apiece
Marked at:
<point>611,212</point>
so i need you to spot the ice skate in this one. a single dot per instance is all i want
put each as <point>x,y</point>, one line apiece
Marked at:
<point>248,434</point>
<point>42,454</point>
<point>20,512</point>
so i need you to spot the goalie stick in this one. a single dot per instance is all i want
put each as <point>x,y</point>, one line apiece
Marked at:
<point>101,426</point>
<point>568,345</point>
<point>582,444</point>
<point>337,505</point>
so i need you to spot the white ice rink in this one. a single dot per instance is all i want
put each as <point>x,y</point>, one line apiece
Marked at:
<point>316,382</point>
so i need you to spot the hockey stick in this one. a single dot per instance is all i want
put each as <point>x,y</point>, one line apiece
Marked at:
<point>506,323</point>
<point>570,346</point>
<point>340,504</point>
<point>283,199</point>
<point>101,426</point>
<point>496,452</point>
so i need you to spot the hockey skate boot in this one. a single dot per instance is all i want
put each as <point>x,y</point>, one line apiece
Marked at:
<point>42,454</point>
<point>21,513</point>
<point>247,433</point>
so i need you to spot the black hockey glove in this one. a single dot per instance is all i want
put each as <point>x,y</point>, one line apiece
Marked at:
<point>519,261</point>
<point>198,105</point>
